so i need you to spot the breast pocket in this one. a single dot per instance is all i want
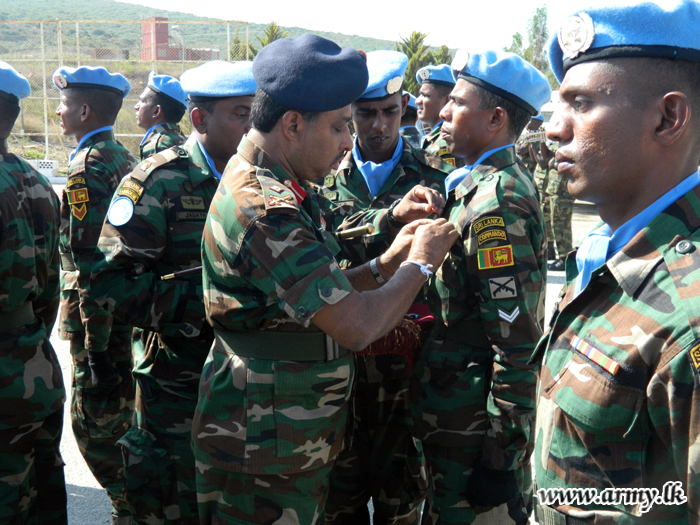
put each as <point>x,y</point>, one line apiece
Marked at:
<point>600,427</point>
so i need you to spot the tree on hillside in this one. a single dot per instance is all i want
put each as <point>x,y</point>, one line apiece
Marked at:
<point>238,49</point>
<point>443,56</point>
<point>419,55</point>
<point>536,50</point>
<point>272,32</point>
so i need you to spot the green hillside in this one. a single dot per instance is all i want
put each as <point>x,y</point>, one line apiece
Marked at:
<point>127,36</point>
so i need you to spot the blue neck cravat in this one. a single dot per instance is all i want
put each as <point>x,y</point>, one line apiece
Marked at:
<point>375,175</point>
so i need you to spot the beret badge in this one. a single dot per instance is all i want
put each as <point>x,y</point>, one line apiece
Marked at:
<point>424,74</point>
<point>459,62</point>
<point>61,81</point>
<point>576,35</point>
<point>394,85</point>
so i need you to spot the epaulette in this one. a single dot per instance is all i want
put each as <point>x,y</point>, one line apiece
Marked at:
<point>158,160</point>
<point>278,198</point>
<point>433,161</point>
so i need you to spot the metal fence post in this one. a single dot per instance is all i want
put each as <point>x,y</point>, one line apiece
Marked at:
<point>59,42</point>
<point>46,99</point>
<point>228,40</point>
<point>247,42</point>
<point>77,42</point>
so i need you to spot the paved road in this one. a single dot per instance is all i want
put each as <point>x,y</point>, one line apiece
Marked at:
<point>87,501</point>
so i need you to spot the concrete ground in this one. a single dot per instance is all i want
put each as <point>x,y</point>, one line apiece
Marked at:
<point>87,501</point>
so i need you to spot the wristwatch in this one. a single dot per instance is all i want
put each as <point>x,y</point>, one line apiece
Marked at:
<point>390,215</point>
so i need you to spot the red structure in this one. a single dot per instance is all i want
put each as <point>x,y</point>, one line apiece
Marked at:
<point>155,45</point>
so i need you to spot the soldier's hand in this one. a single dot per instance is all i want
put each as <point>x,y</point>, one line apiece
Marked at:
<point>418,204</point>
<point>103,374</point>
<point>389,261</point>
<point>432,241</point>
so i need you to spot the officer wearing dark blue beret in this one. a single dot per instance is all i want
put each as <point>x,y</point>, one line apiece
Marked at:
<point>285,316</point>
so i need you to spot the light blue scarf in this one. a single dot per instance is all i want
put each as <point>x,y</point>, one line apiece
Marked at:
<point>375,175</point>
<point>454,178</point>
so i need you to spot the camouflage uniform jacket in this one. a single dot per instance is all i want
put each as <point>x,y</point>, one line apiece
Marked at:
<point>170,192</point>
<point>348,189</point>
<point>93,175</point>
<point>163,137</point>
<point>619,389</point>
<point>433,144</point>
<point>28,240</point>
<point>488,301</point>
<point>269,266</point>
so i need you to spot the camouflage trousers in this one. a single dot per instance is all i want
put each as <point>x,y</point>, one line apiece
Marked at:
<point>100,419</point>
<point>562,211</point>
<point>32,484</point>
<point>382,461</point>
<point>266,436</point>
<point>158,458</point>
<point>541,178</point>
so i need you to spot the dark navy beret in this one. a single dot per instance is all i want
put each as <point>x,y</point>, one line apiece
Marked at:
<point>219,79</point>
<point>13,86</point>
<point>505,74</point>
<point>442,74</point>
<point>386,73</point>
<point>91,77</point>
<point>310,73</point>
<point>662,29</point>
<point>168,86</point>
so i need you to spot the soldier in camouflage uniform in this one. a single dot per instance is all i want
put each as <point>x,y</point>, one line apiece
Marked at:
<point>436,82</point>
<point>273,402</point>
<point>102,390</point>
<point>154,228</point>
<point>561,210</point>
<point>408,129</point>
<point>473,390</point>
<point>160,108</point>
<point>382,461</point>
<point>619,391</point>
<point>32,486</point>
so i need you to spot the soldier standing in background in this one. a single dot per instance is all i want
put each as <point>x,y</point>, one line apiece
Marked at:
<point>436,83</point>
<point>474,392</point>
<point>408,129</point>
<point>160,108</point>
<point>273,401</point>
<point>154,228</point>
<point>102,391</point>
<point>32,485</point>
<point>382,461</point>
<point>561,210</point>
<point>619,390</point>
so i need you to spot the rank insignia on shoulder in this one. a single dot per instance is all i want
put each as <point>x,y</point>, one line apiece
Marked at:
<point>595,355</point>
<point>75,180</point>
<point>145,166</point>
<point>79,212</point>
<point>278,189</point>
<point>507,316</point>
<point>503,288</point>
<point>329,181</point>
<point>695,357</point>
<point>488,222</point>
<point>331,195</point>
<point>281,201</point>
<point>498,257</point>
<point>77,196</point>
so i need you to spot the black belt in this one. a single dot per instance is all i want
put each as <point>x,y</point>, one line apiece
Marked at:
<point>545,515</point>
<point>16,318</point>
<point>280,346</point>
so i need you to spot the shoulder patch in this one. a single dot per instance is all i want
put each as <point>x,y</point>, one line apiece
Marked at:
<point>495,257</point>
<point>694,354</point>
<point>275,195</point>
<point>75,180</point>
<point>488,222</point>
<point>131,190</point>
<point>146,167</point>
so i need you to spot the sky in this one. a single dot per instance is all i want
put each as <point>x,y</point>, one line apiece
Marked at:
<point>472,24</point>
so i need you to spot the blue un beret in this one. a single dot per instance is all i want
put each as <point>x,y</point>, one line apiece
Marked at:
<point>411,100</point>
<point>168,86</point>
<point>91,78</point>
<point>386,72</point>
<point>310,73</point>
<point>663,29</point>
<point>13,86</point>
<point>219,79</point>
<point>505,74</point>
<point>442,75</point>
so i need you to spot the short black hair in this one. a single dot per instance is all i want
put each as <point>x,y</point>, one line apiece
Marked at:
<point>172,111</point>
<point>104,104</point>
<point>9,111</point>
<point>442,89</point>
<point>518,117</point>
<point>410,116</point>
<point>266,112</point>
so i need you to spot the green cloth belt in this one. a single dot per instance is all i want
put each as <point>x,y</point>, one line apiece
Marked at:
<point>466,332</point>
<point>280,346</point>
<point>545,515</point>
<point>67,262</point>
<point>16,318</point>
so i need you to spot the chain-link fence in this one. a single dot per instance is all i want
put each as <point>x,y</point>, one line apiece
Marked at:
<point>132,48</point>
